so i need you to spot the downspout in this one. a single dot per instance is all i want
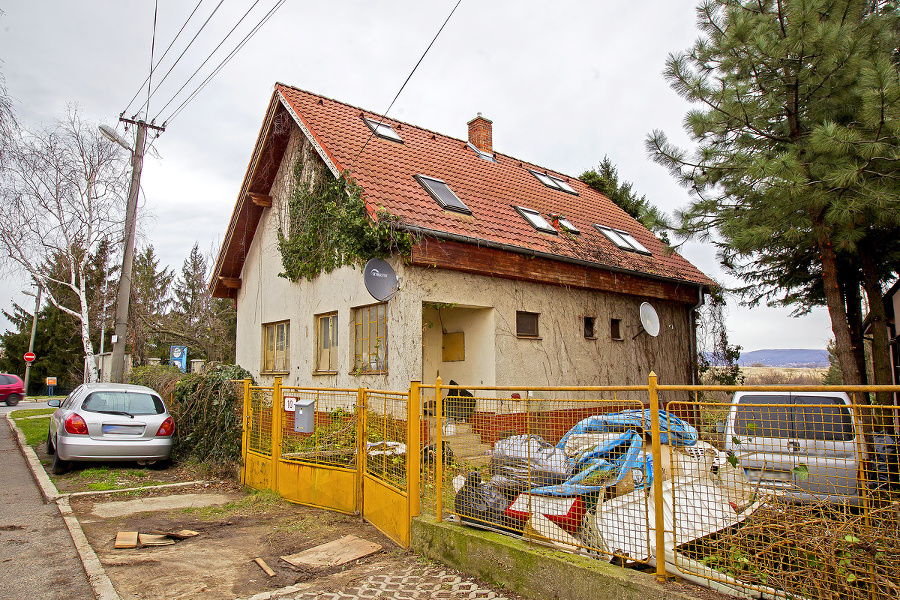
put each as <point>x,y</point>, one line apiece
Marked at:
<point>694,349</point>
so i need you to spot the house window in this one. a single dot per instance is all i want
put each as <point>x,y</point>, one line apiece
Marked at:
<point>553,182</point>
<point>589,328</point>
<point>622,239</point>
<point>442,193</point>
<point>526,324</point>
<point>326,342</point>
<point>615,329</point>
<point>564,223</point>
<point>370,339</point>
<point>383,130</point>
<point>276,346</point>
<point>536,220</point>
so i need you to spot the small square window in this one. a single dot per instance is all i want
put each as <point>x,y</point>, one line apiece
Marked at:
<point>589,328</point>
<point>383,130</point>
<point>564,223</point>
<point>326,342</point>
<point>615,329</point>
<point>481,153</point>
<point>442,193</point>
<point>526,324</point>
<point>536,220</point>
<point>553,182</point>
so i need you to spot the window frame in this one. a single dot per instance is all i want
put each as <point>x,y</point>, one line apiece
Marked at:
<point>285,352</point>
<point>622,240</point>
<point>363,346</point>
<point>552,182</point>
<point>589,324</point>
<point>334,343</point>
<point>532,215</point>
<point>426,182</point>
<point>525,334</point>
<point>615,329</point>
<point>377,127</point>
<point>565,223</point>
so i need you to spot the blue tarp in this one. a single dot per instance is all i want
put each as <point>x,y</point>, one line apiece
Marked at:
<point>620,455</point>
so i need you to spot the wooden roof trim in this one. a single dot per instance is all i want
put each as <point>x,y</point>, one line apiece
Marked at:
<point>326,156</point>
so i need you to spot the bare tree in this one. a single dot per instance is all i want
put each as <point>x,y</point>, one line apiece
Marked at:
<point>62,193</point>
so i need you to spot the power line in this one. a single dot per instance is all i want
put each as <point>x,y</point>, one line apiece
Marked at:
<point>216,49</point>
<point>222,64</point>
<point>421,58</point>
<point>152,50</point>
<point>161,58</point>
<point>193,39</point>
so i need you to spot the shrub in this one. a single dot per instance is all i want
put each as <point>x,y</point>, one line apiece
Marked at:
<point>207,409</point>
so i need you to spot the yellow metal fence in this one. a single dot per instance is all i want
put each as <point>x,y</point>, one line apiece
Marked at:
<point>774,491</point>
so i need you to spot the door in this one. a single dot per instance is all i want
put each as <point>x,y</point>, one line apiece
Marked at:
<point>762,437</point>
<point>827,460</point>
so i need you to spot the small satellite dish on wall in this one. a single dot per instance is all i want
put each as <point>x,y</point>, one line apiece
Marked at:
<point>649,319</point>
<point>380,279</point>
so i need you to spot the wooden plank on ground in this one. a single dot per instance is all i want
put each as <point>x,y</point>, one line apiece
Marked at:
<point>264,566</point>
<point>181,534</point>
<point>126,539</point>
<point>152,539</point>
<point>334,553</point>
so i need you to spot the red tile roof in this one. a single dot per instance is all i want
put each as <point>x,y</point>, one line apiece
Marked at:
<point>491,190</point>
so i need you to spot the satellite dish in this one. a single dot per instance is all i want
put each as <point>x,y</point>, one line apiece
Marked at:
<point>649,319</point>
<point>380,279</point>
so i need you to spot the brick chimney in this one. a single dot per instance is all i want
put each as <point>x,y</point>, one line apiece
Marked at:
<point>480,134</point>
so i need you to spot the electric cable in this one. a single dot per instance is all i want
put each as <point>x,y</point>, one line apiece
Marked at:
<point>211,54</point>
<point>180,56</point>
<point>221,65</point>
<point>161,58</point>
<point>152,50</point>
<point>421,58</point>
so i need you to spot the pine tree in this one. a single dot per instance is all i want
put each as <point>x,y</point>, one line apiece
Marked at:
<point>797,145</point>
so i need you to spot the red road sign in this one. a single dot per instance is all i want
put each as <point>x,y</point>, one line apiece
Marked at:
<point>30,356</point>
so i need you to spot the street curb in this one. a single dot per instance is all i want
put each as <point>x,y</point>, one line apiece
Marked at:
<point>103,587</point>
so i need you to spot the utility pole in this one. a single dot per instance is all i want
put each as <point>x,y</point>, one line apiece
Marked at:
<point>37,307</point>
<point>123,295</point>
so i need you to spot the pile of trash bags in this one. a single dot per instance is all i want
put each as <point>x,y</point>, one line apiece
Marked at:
<point>562,486</point>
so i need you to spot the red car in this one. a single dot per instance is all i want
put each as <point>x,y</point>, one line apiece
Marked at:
<point>11,389</point>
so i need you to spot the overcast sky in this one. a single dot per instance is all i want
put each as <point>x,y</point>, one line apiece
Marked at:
<point>564,83</point>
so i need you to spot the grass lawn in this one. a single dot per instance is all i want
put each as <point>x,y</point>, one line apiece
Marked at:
<point>35,429</point>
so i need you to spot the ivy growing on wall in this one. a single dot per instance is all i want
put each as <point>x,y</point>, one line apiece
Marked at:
<point>328,226</point>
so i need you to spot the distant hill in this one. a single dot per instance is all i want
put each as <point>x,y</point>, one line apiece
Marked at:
<point>785,358</point>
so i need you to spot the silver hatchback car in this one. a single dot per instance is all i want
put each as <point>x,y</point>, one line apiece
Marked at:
<point>109,422</point>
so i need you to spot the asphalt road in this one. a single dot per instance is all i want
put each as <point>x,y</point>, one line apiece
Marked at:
<point>37,556</point>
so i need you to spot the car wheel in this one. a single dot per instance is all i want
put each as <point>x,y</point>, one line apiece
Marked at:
<point>13,399</point>
<point>59,466</point>
<point>50,448</point>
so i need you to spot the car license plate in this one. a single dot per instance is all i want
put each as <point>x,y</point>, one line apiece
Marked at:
<point>123,429</point>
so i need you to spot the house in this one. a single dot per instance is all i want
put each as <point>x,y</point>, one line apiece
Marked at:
<point>517,274</point>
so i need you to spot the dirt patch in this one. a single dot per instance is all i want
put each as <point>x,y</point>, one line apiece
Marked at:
<point>219,562</point>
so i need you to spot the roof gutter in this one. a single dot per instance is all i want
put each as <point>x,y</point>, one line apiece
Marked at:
<point>455,237</point>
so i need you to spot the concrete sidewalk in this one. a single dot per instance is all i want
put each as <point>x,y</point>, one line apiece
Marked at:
<point>37,556</point>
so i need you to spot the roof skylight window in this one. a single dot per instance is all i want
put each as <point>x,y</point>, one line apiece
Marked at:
<point>442,193</point>
<point>383,130</point>
<point>553,182</point>
<point>481,153</point>
<point>622,239</point>
<point>565,223</point>
<point>536,220</point>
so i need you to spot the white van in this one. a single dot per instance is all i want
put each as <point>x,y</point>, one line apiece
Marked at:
<point>804,445</point>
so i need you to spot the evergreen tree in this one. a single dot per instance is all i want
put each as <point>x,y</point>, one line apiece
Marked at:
<point>150,302</point>
<point>797,159</point>
<point>605,179</point>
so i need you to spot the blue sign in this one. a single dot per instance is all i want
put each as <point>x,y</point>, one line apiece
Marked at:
<point>178,357</point>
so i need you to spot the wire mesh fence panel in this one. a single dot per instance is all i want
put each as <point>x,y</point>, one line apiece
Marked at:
<point>319,426</point>
<point>260,433</point>
<point>788,490</point>
<point>386,437</point>
<point>567,469</point>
